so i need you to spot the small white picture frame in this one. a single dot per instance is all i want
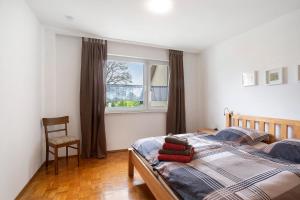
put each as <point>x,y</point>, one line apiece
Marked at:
<point>249,79</point>
<point>274,76</point>
<point>299,73</point>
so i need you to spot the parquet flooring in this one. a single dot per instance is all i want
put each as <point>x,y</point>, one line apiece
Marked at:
<point>105,179</point>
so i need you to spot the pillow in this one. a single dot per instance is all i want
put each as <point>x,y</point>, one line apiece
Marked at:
<point>242,135</point>
<point>288,149</point>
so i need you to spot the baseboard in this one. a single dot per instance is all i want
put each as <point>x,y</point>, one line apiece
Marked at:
<point>27,184</point>
<point>34,175</point>
<point>62,157</point>
<point>118,150</point>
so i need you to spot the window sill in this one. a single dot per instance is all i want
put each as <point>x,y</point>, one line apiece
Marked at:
<point>108,112</point>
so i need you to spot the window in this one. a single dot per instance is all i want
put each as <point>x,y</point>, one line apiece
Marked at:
<point>159,79</point>
<point>135,84</point>
<point>124,84</point>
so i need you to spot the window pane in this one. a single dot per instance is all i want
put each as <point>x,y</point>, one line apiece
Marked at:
<point>159,85</point>
<point>124,84</point>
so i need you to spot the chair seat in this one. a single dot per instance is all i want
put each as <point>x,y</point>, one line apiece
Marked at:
<point>62,140</point>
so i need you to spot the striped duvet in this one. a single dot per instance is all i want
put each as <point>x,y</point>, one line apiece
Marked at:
<point>224,171</point>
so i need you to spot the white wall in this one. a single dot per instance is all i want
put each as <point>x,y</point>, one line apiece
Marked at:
<point>63,82</point>
<point>20,97</point>
<point>272,45</point>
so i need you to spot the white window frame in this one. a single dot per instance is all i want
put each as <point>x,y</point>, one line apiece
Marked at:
<point>155,108</point>
<point>146,84</point>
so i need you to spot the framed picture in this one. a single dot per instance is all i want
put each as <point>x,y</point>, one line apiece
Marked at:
<point>248,79</point>
<point>274,76</point>
<point>298,72</point>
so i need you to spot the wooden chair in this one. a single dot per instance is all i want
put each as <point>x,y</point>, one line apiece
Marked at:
<point>60,141</point>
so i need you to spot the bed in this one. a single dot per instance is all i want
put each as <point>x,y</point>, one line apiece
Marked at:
<point>256,176</point>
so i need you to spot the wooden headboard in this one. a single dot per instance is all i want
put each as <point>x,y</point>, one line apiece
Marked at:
<point>266,124</point>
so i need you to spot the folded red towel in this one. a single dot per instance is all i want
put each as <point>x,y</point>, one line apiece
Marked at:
<point>178,147</point>
<point>187,152</point>
<point>175,158</point>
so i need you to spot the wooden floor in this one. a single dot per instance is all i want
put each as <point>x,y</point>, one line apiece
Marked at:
<point>94,179</point>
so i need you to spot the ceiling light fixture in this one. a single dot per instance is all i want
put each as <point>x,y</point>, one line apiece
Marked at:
<point>160,6</point>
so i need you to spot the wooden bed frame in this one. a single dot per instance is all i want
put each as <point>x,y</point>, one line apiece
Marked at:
<point>162,191</point>
<point>263,122</point>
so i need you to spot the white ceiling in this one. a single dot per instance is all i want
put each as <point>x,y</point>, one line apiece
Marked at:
<point>191,25</point>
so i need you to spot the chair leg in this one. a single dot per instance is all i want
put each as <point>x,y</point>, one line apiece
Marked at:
<point>47,156</point>
<point>67,153</point>
<point>56,160</point>
<point>78,153</point>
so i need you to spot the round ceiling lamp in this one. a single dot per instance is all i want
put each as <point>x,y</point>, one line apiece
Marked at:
<point>160,6</point>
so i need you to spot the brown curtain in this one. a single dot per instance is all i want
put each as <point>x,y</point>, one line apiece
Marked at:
<point>176,102</point>
<point>92,97</point>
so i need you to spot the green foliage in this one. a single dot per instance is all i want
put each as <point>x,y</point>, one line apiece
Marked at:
<point>128,104</point>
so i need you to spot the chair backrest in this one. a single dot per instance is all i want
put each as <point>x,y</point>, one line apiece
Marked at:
<point>55,121</point>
